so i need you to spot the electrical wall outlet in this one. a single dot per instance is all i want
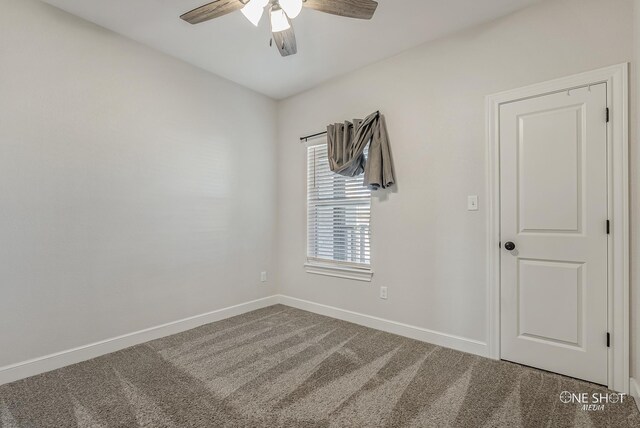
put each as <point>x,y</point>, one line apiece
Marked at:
<point>383,293</point>
<point>472,203</point>
<point>263,276</point>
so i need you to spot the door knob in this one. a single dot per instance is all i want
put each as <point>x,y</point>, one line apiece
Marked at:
<point>509,246</point>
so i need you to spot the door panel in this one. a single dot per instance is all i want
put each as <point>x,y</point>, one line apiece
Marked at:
<point>557,287</point>
<point>550,181</point>
<point>553,185</point>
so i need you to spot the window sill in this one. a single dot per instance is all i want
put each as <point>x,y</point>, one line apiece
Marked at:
<point>338,271</point>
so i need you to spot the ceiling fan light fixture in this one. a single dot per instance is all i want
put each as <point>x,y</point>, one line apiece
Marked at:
<point>253,10</point>
<point>279,21</point>
<point>291,7</point>
<point>281,14</point>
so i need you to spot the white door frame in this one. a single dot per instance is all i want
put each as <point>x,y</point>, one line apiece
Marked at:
<point>616,78</point>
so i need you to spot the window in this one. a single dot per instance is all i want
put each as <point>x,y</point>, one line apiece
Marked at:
<point>338,210</point>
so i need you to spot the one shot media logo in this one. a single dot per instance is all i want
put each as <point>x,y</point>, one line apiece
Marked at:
<point>592,402</point>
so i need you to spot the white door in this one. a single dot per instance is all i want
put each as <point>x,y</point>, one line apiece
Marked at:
<point>553,189</point>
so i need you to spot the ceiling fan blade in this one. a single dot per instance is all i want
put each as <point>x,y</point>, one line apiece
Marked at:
<point>286,42</point>
<point>360,9</point>
<point>212,10</point>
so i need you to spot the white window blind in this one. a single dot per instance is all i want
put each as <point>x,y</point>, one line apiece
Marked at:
<point>339,209</point>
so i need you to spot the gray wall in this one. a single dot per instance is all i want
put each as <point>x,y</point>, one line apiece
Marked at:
<point>136,189</point>
<point>426,247</point>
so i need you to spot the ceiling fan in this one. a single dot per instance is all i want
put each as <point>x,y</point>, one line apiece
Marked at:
<point>281,13</point>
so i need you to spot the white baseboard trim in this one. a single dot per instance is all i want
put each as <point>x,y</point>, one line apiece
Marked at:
<point>418,333</point>
<point>634,388</point>
<point>61,359</point>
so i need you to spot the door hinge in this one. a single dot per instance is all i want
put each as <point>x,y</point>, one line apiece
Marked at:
<point>608,340</point>
<point>608,227</point>
<point>608,115</point>
<point>499,244</point>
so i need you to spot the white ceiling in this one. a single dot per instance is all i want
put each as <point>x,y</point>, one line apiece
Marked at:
<point>328,45</point>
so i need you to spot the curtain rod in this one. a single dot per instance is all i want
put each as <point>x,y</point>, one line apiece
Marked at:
<point>308,137</point>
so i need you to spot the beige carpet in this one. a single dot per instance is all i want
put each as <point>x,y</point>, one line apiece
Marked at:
<point>282,367</point>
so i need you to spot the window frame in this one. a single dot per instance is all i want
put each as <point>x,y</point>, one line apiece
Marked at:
<point>328,267</point>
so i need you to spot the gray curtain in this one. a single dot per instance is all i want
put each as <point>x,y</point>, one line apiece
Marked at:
<point>346,145</point>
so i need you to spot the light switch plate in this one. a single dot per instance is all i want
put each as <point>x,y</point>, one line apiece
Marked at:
<point>472,203</point>
<point>263,277</point>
